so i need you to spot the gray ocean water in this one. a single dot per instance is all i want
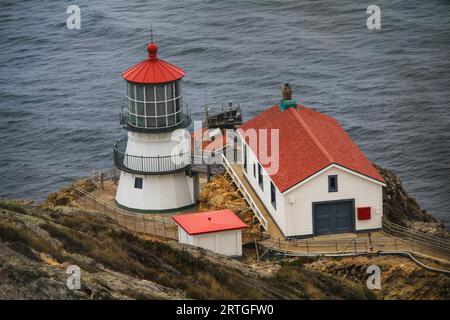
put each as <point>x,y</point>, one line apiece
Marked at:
<point>61,90</point>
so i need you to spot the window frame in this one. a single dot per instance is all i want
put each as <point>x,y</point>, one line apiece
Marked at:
<point>335,188</point>
<point>244,164</point>
<point>138,185</point>
<point>144,120</point>
<point>260,177</point>
<point>273,195</point>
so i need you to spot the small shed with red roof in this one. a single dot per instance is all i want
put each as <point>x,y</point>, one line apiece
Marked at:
<point>310,175</point>
<point>219,231</point>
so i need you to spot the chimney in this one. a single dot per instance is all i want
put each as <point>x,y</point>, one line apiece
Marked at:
<point>286,91</point>
<point>286,100</point>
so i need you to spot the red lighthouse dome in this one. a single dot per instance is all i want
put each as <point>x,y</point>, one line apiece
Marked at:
<point>153,70</point>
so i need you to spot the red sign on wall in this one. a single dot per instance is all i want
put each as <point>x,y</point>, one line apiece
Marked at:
<point>364,213</point>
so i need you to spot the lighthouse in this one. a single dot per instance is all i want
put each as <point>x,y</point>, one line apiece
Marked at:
<point>154,158</point>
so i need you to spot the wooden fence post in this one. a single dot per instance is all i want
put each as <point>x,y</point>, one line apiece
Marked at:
<point>101,181</point>
<point>164,228</point>
<point>145,226</point>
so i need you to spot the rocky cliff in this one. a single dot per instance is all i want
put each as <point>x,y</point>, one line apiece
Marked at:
<point>401,208</point>
<point>37,245</point>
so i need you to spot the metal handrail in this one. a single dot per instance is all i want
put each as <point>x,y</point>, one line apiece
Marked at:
<point>414,232</point>
<point>149,165</point>
<point>213,108</point>
<point>340,246</point>
<point>416,238</point>
<point>245,193</point>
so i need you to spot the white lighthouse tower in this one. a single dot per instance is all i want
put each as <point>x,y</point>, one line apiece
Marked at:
<point>154,158</point>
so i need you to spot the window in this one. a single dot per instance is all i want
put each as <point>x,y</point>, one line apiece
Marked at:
<point>273,195</point>
<point>138,183</point>
<point>158,105</point>
<point>254,170</point>
<point>245,158</point>
<point>332,183</point>
<point>260,177</point>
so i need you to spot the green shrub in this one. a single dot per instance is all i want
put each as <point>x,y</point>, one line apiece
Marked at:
<point>12,205</point>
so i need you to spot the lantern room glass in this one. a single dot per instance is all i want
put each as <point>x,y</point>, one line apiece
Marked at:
<point>154,105</point>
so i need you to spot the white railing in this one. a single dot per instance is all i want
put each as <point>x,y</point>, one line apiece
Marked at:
<point>245,193</point>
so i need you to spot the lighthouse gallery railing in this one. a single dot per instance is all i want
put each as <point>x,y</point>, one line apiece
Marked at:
<point>148,165</point>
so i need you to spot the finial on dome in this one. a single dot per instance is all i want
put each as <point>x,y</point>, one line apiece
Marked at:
<point>152,50</point>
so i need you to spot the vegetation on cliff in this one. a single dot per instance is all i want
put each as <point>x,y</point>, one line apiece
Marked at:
<point>37,245</point>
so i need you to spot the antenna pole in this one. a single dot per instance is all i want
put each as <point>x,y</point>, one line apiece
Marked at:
<point>151,33</point>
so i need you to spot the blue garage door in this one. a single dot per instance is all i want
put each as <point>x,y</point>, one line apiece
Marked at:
<point>333,217</point>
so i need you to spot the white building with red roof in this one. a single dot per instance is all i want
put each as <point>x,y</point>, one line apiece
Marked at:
<point>219,231</point>
<point>321,183</point>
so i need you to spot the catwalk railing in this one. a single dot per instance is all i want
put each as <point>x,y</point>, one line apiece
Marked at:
<point>149,165</point>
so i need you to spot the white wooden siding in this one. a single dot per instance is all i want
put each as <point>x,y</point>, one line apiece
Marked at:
<point>228,242</point>
<point>278,213</point>
<point>366,194</point>
<point>294,208</point>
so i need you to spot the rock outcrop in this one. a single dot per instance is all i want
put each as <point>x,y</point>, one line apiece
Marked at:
<point>67,195</point>
<point>401,208</point>
<point>221,193</point>
<point>400,277</point>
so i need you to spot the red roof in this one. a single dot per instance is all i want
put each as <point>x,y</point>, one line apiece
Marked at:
<point>153,70</point>
<point>212,221</point>
<point>309,141</point>
<point>206,143</point>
